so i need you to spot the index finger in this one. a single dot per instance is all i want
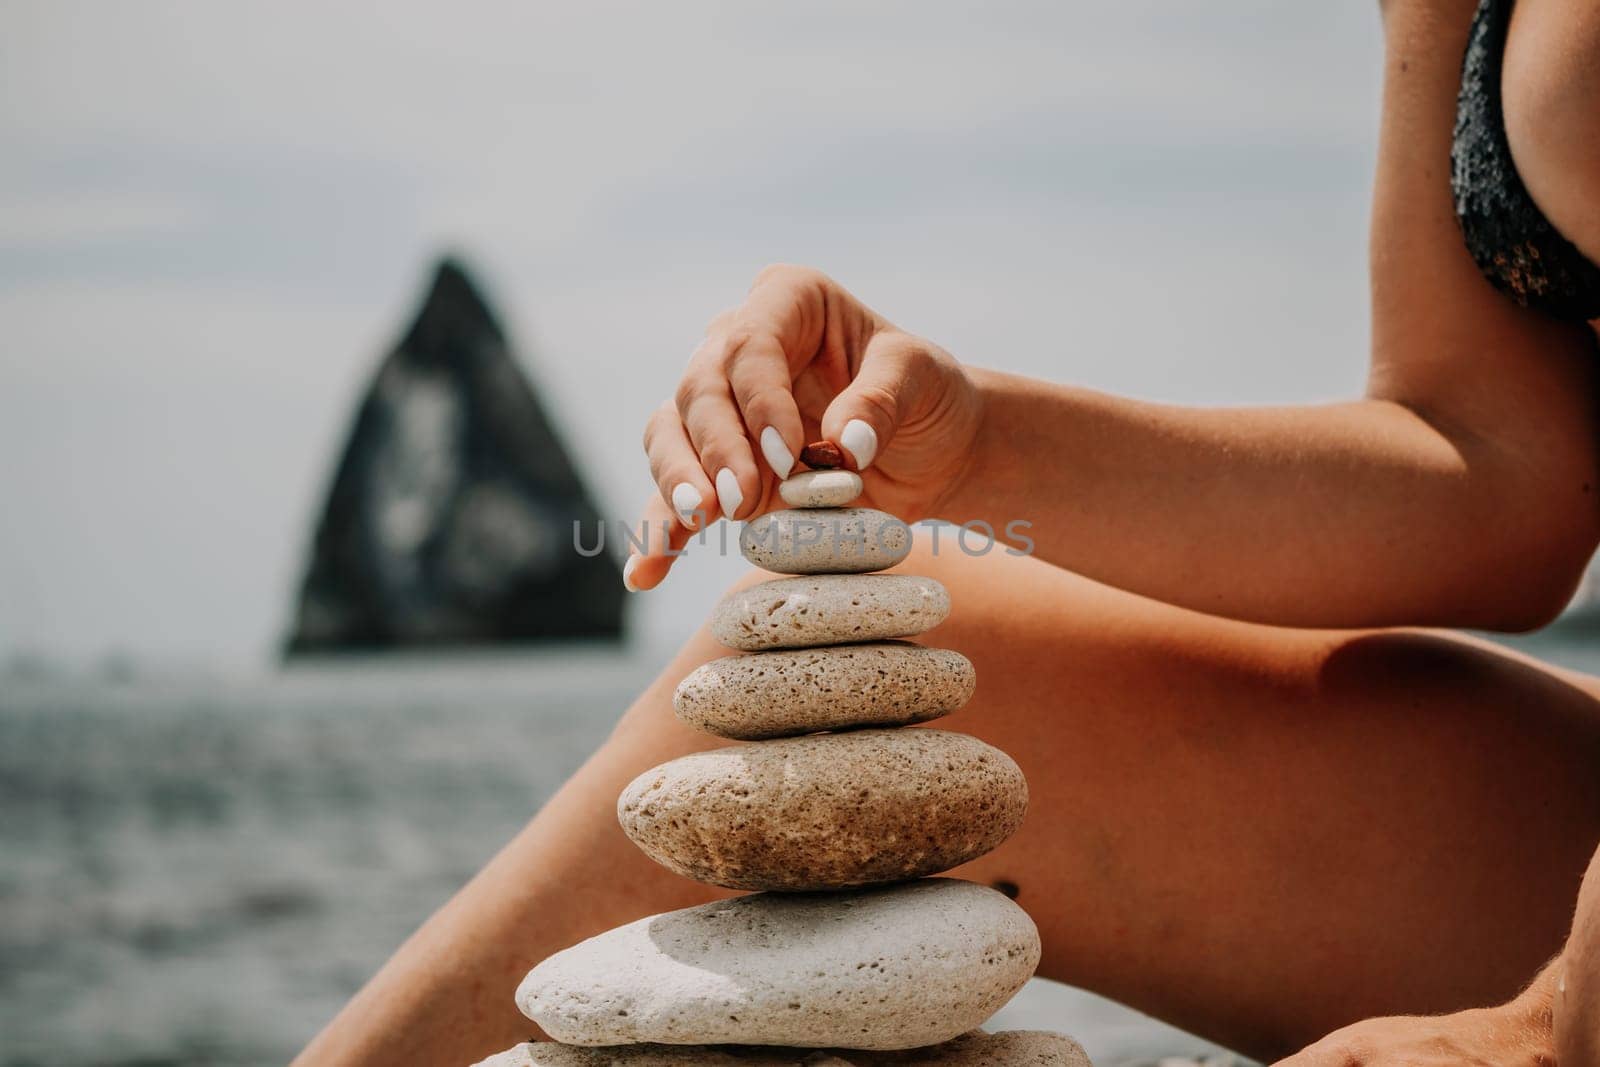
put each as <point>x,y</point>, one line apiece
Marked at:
<point>781,328</point>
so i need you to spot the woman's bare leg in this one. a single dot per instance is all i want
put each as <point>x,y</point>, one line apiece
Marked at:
<point>1259,834</point>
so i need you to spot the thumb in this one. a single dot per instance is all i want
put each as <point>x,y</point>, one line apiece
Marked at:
<point>864,416</point>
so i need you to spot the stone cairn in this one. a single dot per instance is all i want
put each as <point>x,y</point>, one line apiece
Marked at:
<point>848,952</point>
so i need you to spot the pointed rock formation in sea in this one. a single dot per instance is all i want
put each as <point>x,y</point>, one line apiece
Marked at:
<point>450,517</point>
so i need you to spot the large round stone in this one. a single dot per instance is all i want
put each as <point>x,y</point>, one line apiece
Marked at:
<point>825,540</point>
<point>820,489</point>
<point>893,968</point>
<point>1013,1048</point>
<point>826,811</point>
<point>554,1054</point>
<point>829,609</point>
<point>801,691</point>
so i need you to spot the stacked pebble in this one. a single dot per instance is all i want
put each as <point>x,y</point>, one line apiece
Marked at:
<point>848,952</point>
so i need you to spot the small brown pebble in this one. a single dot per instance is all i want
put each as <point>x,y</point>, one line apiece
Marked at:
<point>822,456</point>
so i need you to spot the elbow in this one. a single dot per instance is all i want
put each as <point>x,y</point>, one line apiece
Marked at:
<point>1524,519</point>
<point>1507,488</point>
<point>1533,609</point>
<point>1535,570</point>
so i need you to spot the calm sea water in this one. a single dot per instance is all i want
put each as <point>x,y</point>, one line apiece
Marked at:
<point>201,869</point>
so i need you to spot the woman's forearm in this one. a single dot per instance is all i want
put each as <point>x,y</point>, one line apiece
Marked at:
<point>1343,515</point>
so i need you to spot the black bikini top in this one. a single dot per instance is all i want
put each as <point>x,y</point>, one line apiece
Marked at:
<point>1513,243</point>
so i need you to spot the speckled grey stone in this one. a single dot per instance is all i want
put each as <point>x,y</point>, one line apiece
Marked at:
<point>820,489</point>
<point>826,811</point>
<point>829,609</point>
<point>893,968</point>
<point>1013,1048</point>
<point>825,540</point>
<point>837,687</point>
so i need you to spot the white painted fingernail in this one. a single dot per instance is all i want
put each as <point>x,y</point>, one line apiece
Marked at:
<point>729,495</point>
<point>779,458</point>
<point>861,441</point>
<point>685,501</point>
<point>627,573</point>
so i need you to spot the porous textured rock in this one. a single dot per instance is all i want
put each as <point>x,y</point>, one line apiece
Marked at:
<point>820,489</point>
<point>551,1054</point>
<point>1014,1048</point>
<point>829,609</point>
<point>893,968</point>
<point>826,811</point>
<point>825,540</point>
<point>801,691</point>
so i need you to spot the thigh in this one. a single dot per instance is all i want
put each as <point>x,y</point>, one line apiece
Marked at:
<point>1263,834</point>
<point>1259,834</point>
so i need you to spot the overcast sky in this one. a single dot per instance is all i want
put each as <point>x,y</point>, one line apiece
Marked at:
<point>214,219</point>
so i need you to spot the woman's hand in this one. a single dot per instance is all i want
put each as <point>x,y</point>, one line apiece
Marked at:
<point>1516,1035</point>
<point>801,360</point>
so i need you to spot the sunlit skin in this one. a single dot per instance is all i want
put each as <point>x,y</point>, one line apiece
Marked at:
<point>1260,809</point>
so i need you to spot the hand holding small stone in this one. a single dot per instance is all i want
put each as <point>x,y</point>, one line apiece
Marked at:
<point>802,360</point>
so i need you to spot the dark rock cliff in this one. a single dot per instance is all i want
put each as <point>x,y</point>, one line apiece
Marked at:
<point>450,518</point>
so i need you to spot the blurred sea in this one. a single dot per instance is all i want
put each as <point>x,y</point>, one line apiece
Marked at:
<point>200,869</point>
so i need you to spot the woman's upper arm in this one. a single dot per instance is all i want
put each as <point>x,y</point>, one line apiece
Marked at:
<point>1513,389</point>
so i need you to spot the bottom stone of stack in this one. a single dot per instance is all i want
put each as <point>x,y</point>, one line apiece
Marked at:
<point>1016,1048</point>
<point>899,967</point>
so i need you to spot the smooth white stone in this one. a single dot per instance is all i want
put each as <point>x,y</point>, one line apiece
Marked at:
<point>1012,1048</point>
<point>820,489</point>
<point>893,968</point>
